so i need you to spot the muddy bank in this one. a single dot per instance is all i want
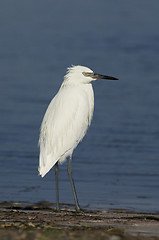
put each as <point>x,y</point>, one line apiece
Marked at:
<point>41,221</point>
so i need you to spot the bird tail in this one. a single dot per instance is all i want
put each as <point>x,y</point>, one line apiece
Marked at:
<point>45,164</point>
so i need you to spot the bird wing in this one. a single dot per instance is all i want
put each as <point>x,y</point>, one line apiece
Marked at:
<point>64,125</point>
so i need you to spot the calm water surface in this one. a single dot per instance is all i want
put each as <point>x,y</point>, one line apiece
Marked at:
<point>117,164</point>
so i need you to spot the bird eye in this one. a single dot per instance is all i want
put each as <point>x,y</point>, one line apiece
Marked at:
<point>86,74</point>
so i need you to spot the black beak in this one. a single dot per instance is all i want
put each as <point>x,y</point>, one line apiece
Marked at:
<point>99,76</point>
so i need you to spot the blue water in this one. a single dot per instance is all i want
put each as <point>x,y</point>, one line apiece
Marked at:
<point>117,164</point>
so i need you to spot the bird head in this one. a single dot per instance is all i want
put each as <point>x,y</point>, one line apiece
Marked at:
<point>80,74</point>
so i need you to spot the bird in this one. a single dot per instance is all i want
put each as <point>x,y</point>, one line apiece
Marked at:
<point>66,121</point>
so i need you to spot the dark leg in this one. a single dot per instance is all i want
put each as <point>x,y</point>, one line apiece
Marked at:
<point>72,183</point>
<point>57,186</point>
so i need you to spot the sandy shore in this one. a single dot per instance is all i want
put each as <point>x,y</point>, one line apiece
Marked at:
<point>41,221</point>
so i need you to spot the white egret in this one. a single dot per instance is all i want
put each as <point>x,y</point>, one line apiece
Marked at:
<point>66,121</point>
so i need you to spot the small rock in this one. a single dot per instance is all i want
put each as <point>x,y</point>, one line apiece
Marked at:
<point>115,237</point>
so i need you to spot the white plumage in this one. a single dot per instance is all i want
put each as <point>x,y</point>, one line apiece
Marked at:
<point>66,121</point>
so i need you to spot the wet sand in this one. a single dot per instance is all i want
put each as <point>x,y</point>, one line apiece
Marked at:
<point>41,221</point>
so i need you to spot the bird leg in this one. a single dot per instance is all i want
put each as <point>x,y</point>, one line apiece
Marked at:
<point>69,169</point>
<point>57,186</point>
